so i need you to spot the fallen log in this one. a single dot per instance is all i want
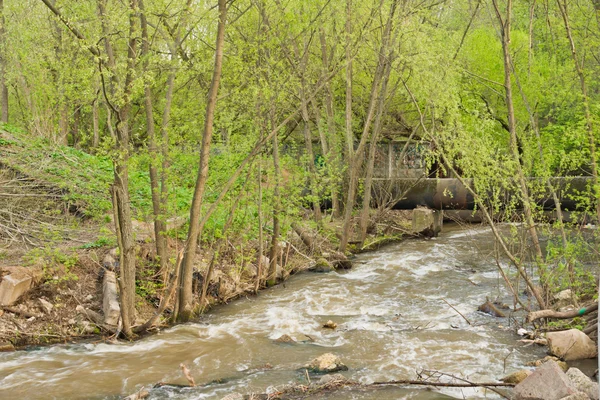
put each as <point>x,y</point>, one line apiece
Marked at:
<point>443,384</point>
<point>535,315</point>
<point>304,235</point>
<point>591,328</point>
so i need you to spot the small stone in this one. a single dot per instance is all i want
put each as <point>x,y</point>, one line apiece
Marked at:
<point>522,332</point>
<point>285,339</point>
<point>326,363</point>
<point>6,347</point>
<point>72,321</point>
<point>89,298</point>
<point>45,306</point>
<point>330,325</point>
<point>583,383</point>
<point>517,377</point>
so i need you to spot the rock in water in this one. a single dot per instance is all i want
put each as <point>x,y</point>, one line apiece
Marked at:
<point>491,309</point>
<point>325,364</point>
<point>583,383</point>
<point>285,339</point>
<point>517,377</point>
<point>330,325</point>
<point>571,345</point>
<point>548,382</point>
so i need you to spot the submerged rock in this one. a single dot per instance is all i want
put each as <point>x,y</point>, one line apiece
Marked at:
<point>325,364</point>
<point>548,382</point>
<point>285,339</point>
<point>571,345</point>
<point>583,383</point>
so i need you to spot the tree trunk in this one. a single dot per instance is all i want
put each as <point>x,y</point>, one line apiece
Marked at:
<point>349,133</point>
<point>185,291</point>
<point>364,215</point>
<point>95,125</point>
<point>331,157</point>
<point>158,207</point>
<point>586,104</point>
<point>357,159</point>
<point>505,26</point>
<point>274,253</point>
<point>3,68</point>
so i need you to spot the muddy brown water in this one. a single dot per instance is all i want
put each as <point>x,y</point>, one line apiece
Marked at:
<point>392,323</point>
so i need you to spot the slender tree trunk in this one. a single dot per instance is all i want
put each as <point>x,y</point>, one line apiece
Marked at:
<point>95,125</point>
<point>158,207</point>
<point>505,26</point>
<point>3,68</point>
<point>75,127</point>
<point>185,290</point>
<point>311,156</point>
<point>349,133</point>
<point>357,159</point>
<point>259,261</point>
<point>63,123</point>
<point>274,252</point>
<point>331,157</point>
<point>586,103</point>
<point>364,215</point>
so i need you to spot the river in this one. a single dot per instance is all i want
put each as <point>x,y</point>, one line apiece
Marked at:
<point>392,322</point>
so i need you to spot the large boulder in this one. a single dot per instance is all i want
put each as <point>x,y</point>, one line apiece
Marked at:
<point>548,382</point>
<point>583,383</point>
<point>571,345</point>
<point>326,364</point>
<point>426,222</point>
<point>16,282</point>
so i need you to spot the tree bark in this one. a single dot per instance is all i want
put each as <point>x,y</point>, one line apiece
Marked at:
<point>158,206</point>
<point>586,103</point>
<point>274,252</point>
<point>349,133</point>
<point>185,290</point>
<point>357,159</point>
<point>366,206</point>
<point>505,26</point>
<point>331,155</point>
<point>3,68</point>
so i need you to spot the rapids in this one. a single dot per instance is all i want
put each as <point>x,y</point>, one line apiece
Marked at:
<point>392,323</point>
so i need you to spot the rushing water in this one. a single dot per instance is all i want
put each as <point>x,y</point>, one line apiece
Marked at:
<point>392,322</point>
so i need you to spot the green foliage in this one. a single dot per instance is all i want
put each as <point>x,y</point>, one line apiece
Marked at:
<point>56,265</point>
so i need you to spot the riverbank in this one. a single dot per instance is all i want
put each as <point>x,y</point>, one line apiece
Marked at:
<point>66,304</point>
